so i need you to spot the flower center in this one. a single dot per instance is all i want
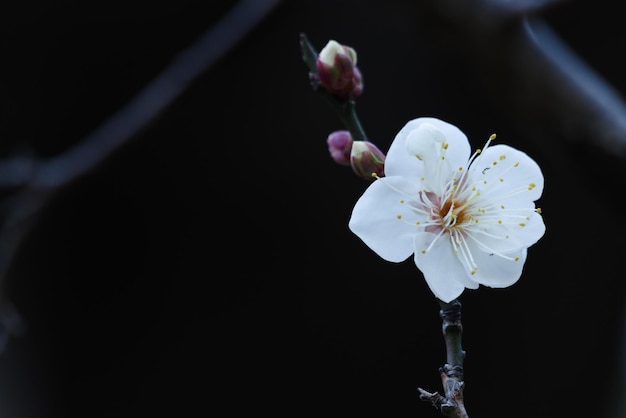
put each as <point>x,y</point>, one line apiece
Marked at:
<point>453,212</point>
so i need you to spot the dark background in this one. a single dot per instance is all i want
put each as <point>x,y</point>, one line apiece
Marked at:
<point>205,267</point>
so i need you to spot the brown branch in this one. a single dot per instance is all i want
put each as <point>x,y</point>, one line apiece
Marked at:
<point>28,184</point>
<point>452,404</point>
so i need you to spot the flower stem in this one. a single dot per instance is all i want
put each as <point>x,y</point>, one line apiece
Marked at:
<point>452,329</point>
<point>351,121</point>
<point>452,404</point>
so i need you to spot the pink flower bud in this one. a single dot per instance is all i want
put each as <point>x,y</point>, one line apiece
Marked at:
<point>337,70</point>
<point>367,160</point>
<point>340,146</point>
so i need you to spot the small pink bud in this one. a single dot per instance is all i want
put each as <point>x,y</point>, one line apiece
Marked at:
<point>367,160</point>
<point>337,70</point>
<point>340,146</point>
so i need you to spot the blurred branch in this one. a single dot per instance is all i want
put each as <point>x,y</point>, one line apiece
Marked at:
<point>490,13</point>
<point>533,69</point>
<point>581,103</point>
<point>29,183</point>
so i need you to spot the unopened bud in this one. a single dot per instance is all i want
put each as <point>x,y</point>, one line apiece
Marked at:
<point>337,70</point>
<point>340,146</point>
<point>367,160</point>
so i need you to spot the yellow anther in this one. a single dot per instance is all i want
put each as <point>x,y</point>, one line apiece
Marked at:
<point>516,164</point>
<point>538,210</point>
<point>502,157</point>
<point>522,224</point>
<point>492,137</point>
<point>399,216</point>
<point>423,251</point>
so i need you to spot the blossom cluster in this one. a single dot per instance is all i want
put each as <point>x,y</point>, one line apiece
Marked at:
<point>467,218</point>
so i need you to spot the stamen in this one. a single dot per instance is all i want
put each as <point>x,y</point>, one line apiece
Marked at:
<point>468,201</point>
<point>433,241</point>
<point>485,233</point>
<point>421,211</point>
<point>501,179</point>
<point>483,246</point>
<point>479,153</point>
<point>395,189</point>
<point>507,194</point>
<point>457,238</point>
<point>424,196</point>
<point>417,223</point>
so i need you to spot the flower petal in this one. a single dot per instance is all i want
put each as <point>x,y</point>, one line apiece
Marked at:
<point>495,271</point>
<point>504,169</point>
<point>445,275</point>
<point>400,162</point>
<point>375,218</point>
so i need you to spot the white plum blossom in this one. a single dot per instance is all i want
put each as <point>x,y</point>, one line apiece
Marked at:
<point>468,219</point>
